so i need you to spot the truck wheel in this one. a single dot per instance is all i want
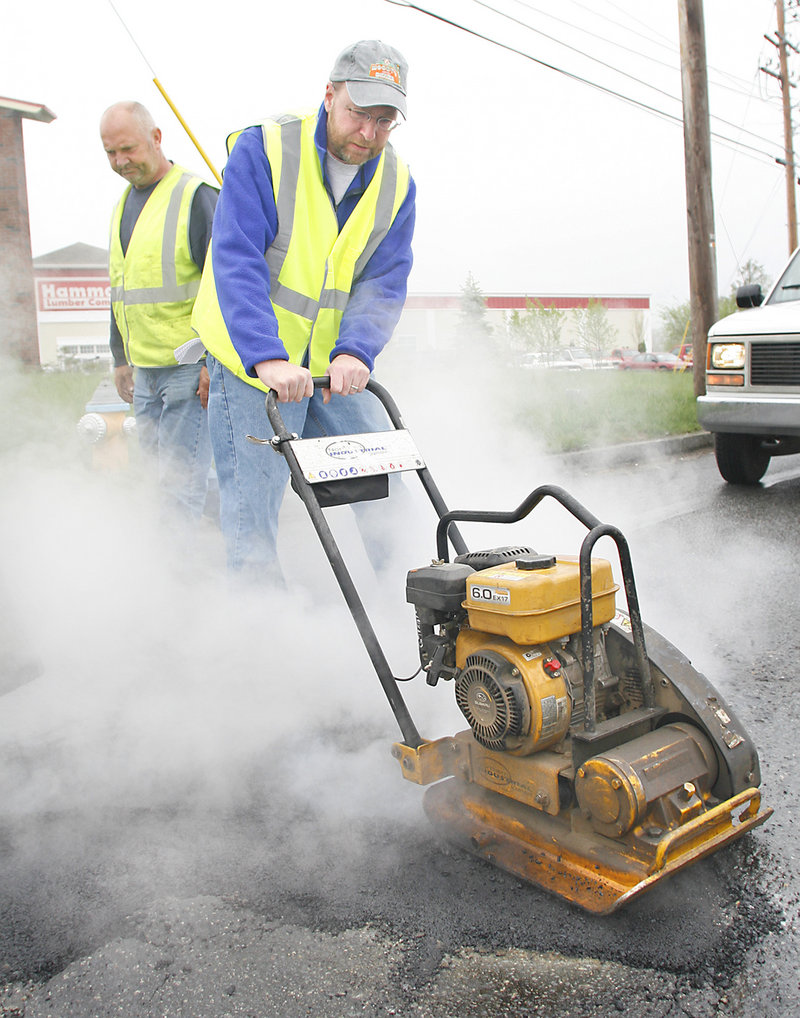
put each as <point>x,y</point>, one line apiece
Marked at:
<point>740,458</point>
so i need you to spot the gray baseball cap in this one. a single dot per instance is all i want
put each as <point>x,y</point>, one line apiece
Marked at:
<point>375,74</point>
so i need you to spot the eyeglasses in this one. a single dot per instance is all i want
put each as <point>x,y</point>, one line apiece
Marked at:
<point>361,117</point>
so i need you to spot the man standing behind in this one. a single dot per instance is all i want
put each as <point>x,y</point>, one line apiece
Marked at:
<point>306,276</point>
<point>160,233</point>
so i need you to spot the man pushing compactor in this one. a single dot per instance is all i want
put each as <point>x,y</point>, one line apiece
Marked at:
<point>306,276</point>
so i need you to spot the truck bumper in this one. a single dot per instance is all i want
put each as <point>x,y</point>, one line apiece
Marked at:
<point>749,414</point>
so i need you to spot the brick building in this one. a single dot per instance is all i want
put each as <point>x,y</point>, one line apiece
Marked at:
<point>17,312</point>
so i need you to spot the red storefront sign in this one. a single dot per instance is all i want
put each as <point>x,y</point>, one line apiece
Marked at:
<point>74,293</point>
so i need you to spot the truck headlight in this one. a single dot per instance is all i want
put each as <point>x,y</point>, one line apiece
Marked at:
<point>727,356</point>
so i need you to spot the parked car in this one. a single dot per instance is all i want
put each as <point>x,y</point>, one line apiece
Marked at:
<point>752,400</point>
<point>563,360</point>
<point>650,361</point>
<point>578,357</point>
<point>554,360</point>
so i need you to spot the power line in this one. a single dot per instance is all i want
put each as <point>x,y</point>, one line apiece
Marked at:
<point>566,45</point>
<point>666,44</point>
<point>611,67</point>
<point>738,145</point>
<point>669,46</point>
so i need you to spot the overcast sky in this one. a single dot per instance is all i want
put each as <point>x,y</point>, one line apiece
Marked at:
<point>533,180</point>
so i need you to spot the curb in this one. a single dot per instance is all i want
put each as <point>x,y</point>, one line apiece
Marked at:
<point>633,452</point>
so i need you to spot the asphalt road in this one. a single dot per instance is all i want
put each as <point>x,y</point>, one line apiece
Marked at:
<point>176,841</point>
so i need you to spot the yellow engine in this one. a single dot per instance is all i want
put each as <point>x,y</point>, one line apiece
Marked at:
<point>514,698</point>
<point>512,690</point>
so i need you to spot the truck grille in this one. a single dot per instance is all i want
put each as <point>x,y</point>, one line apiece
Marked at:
<point>775,364</point>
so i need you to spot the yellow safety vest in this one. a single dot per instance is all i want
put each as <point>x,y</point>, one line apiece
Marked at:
<point>154,284</point>
<point>312,266</point>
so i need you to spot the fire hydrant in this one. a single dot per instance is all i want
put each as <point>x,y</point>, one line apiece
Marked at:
<point>107,425</point>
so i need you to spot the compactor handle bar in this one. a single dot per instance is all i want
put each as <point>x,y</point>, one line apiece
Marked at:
<point>282,443</point>
<point>323,382</point>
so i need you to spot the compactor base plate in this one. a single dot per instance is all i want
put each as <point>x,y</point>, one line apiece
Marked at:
<point>597,873</point>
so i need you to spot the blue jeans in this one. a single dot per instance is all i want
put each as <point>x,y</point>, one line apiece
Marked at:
<point>252,478</point>
<point>173,432</point>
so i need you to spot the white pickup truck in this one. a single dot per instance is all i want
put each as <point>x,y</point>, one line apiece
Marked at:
<point>752,401</point>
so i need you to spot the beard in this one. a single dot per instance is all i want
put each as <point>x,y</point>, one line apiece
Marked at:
<point>351,152</point>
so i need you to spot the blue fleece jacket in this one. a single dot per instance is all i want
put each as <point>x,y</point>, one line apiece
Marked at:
<point>245,224</point>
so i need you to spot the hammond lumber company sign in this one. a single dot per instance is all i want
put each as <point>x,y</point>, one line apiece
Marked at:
<point>73,294</point>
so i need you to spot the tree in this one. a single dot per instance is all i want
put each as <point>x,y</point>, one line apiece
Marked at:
<point>675,317</point>
<point>548,323</point>
<point>750,272</point>
<point>595,332</point>
<point>727,305</point>
<point>519,330</point>
<point>472,311</point>
<point>537,329</point>
<point>637,331</point>
<point>675,320</point>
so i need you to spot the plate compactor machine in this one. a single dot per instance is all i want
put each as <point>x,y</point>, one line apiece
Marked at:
<point>597,761</point>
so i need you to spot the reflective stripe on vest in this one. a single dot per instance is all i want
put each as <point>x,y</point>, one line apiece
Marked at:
<point>153,285</point>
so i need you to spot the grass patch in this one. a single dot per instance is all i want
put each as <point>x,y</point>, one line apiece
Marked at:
<point>43,406</point>
<point>588,409</point>
<point>567,410</point>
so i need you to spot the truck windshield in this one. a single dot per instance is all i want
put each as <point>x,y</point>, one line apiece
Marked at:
<point>788,286</point>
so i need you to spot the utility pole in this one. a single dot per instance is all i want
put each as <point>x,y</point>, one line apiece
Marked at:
<point>782,44</point>
<point>699,200</point>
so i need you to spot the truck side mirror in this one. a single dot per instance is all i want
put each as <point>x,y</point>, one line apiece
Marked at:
<point>749,296</point>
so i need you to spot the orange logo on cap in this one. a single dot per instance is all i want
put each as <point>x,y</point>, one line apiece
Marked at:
<point>387,70</point>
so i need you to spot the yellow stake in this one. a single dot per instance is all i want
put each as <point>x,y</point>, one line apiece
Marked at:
<point>185,126</point>
<point>170,103</point>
